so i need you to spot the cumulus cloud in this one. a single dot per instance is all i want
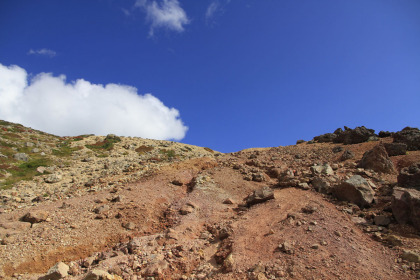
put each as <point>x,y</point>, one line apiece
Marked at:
<point>53,105</point>
<point>168,14</point>
<point>45,52</point>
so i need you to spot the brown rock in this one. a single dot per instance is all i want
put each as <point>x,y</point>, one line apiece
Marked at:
<point>378,160</point>
<point>58,271</point>
<point>405,205</point>
<point>35,217</point>
<point>356,190</point>
<point>259,196</point>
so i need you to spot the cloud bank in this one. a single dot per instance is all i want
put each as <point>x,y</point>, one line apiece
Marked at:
<point>53,105</point>
<point>168,14</point>
<point>45,52</point>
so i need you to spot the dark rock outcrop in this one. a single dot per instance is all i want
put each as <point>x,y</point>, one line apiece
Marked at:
<point>409,136</point>
<point>409,177</point>
<point>395,149</point>
<point>353,136</point>
<point>356,190</point>
<point>378,160</point>
<point>324,138</point>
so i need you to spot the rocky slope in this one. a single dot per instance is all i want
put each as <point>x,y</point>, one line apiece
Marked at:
<point>344,205</point>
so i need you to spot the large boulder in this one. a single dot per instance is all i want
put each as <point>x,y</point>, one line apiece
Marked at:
<point>259,196</point>
<point>21,157</point>
<point>395,149</point>
<point>353,136</point>
<point>405,205</point>
<point>378,160</point>
<point>356,190</point>
<point>409,136</point>
<point>409,177</point>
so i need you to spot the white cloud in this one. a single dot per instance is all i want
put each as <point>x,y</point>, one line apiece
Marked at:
<point>53,105</point>
<point>45,52</point>
<point>211,9</point>
<point>168,14</point>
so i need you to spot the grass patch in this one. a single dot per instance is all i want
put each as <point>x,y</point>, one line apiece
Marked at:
<point>170,154</point>
<point>25,171</point>
<point>107,144</point>
<point>64,149</point>
<point>144,149</point>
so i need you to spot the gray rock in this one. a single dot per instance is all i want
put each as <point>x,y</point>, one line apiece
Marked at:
<point>395,149</point>
<point>356,190</point>
<point>409,177</point>
<point>53,178</point>
<point>300,142</point>
<point>101,209</point>
<point>21,157</point>
<point>324,169</point>
<point>58,271</point>
<point>378,160</point>
<point>259,196</point>
<point>321,185</point>
<point>409,136</point>
<point>337,149</point>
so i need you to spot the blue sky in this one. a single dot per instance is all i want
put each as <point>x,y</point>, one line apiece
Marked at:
<point>238,73</point>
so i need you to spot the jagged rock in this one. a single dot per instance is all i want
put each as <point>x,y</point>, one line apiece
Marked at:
<point>300,142</point>
<point>409,136</point>
<point>409,177</point>
<point>286,247</point>
<point>21,157</point>
<point>337,149</point>
<point>383,134</point>
<point>395,149</point>
<point>324,169</point>
<point>321,185</point>
<point>347,154</point>
<point>53,178</point>
<point>356,190</point>
<point>35,217</point>
<point>259,196</point>
<point>405,205</point>
<point>353,136</point>
<point>378,160</point>
<point>324,138</point>
<point>58,271</point>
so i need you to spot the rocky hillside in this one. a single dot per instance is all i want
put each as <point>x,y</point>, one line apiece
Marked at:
<point>344,205</point>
